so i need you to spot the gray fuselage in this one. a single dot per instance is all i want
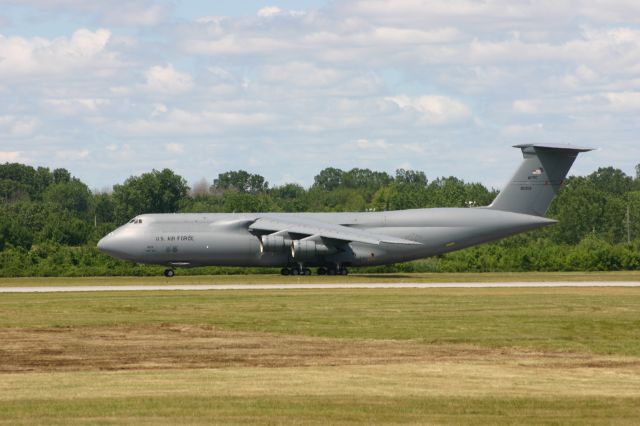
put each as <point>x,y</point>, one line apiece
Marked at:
<point>334,241</point>
<point>192,239</point>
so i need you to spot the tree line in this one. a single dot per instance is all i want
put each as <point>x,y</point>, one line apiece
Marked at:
<point>50,220</point>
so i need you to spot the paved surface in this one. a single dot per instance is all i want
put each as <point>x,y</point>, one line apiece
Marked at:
<point>293,286</point>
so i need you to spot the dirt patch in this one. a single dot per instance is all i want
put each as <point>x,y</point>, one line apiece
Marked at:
<point>181,347</point>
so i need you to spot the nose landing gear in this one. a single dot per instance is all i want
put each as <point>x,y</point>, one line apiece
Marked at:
<point>169,273</point>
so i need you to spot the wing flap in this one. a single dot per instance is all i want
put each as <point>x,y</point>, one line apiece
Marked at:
<point>312,227</point>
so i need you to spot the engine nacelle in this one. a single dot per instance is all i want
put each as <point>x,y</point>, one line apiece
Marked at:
<point>274,243</point>
<point>305,249</point>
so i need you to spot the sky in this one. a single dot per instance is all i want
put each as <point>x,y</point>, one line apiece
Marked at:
<point>286,88</point>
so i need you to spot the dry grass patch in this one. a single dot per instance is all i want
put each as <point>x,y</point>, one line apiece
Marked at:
<point>195,347</point>
<point>189,347</point>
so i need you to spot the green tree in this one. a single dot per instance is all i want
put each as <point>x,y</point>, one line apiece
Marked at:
<point>61,176</point>
<point>241,181</point>
<point>34,180</point>
<point>401,196</point>
<point>71,195</point>
<point>611,180</point>
<point>12,191</point>
<point>447,192</point>
<point>632,201</point>
<point>290,197</point>
<point>411,177</point>
<point>104,208</point>
<point>153,192</point>
<point>582,210</point>
<point>366,181</point>
<point>328,179</point>
<point>337,200</point>
<point>15,234</point>
<point>66,229</point>
<point>240,202</point>
<point>477,195</point>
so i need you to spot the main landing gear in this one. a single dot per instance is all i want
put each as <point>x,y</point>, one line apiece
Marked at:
<point>169,273</point>
<point>333,270</point>
<point>295,271</point>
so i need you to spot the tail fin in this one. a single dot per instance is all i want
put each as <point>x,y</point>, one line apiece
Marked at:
<point>538,179</point>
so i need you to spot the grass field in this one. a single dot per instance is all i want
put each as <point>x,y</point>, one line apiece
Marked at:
<point>410,356</point>
<point>354,278</point>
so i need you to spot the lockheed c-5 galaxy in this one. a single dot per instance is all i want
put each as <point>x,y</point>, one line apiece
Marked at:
<point>332,242</point>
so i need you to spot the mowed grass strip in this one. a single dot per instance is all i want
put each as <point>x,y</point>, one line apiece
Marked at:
<point>353,278</point>
<point>449,393</point>
<point>341,410</point>
<point>474,377</point>
<point>593,320</point>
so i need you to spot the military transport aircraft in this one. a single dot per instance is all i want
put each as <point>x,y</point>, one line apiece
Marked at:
<point>332,242</point>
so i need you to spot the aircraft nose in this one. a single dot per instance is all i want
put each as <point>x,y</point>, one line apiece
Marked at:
<point>111,245</point>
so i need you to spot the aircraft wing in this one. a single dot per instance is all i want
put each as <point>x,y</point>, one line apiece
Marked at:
<point>319,228</point>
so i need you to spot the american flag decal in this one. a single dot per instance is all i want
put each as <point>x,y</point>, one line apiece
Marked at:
<point>537,172</point>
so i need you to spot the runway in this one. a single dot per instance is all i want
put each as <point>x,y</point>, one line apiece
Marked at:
<point>295,286</point>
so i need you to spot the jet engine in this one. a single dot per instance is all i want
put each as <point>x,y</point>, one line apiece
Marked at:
<point>305,249</point>
<point>274,243</point>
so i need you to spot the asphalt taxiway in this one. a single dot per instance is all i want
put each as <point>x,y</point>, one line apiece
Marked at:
<point>296,286</point>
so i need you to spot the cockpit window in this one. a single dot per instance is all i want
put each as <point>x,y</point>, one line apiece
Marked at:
<point>139,221</point>
<point>132,220</point>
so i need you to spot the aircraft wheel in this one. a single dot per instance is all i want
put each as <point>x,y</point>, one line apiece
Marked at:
<point>344,271</point>
<point>322,271</point>
<point>331,271</point>
<point>306,271</point>
<point>169,273</point>
<point>295,271</point>
<point>285,271</point>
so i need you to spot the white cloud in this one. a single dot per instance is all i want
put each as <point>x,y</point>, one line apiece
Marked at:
<point>238,45</point>
<point>551,12</point>
<point>135,15</point>
<point>115,12</point>
<point>174,148</point>
<point>159,109</point>
<point>123,152</point>
<point>273,11</point>
<point>526,106</point>
<point>41,56</point>
<point>378,144</point>
<point>624,101</point>
<point>269,11</point>
<point>10,156</point>
<point>73,106</point>
<point>434,109</point>
<point>523,130</point>
<point>167,80</point>
<point>185,122</point>
<point>301,74</point>
<point>72,154</point>
<point>382,82</point>
<point>17,126</point>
